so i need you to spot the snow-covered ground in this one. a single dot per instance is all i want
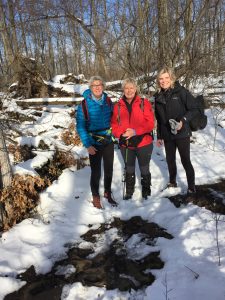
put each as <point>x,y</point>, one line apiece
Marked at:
<point>66,211</point>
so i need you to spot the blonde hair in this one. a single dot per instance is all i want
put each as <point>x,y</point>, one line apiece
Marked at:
<point>132,81</point>
<point>171,73</point>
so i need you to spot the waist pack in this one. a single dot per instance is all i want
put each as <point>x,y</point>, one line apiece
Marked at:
<point>134,141</point>
<point>102,139</point>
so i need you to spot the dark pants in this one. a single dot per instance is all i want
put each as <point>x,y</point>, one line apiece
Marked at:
<point>143,155</point>
<point>107,154</point>
<point>183,146</point>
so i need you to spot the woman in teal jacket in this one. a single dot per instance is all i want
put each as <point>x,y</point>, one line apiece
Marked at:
<point>93,127</point>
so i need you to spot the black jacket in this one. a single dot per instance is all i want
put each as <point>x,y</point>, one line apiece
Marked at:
<point>176,103</point>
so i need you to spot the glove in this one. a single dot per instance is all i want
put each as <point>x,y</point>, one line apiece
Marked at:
<point>174,125</point>
<point>134,141</point>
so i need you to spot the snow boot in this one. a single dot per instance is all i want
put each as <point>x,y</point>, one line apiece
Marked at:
<point>146,186</point>
<point>130,182</point>
<point>96,202</point>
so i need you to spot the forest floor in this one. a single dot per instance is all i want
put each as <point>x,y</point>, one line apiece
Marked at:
<point>115,268</point>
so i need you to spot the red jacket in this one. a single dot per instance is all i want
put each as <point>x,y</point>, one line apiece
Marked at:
<point>141,119</point>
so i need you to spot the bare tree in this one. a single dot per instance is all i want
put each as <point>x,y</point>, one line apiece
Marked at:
<point>114,38</point>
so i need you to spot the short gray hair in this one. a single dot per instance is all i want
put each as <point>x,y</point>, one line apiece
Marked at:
<point>94,78</point>
<point>130,80</point>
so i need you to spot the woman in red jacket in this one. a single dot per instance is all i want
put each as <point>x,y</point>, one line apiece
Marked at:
<point>132,122</point>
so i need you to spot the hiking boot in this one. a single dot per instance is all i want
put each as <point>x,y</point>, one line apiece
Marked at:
<point>127,196</point>
<point>191,192</point>
<point>145,195</point>
<point>96,202</point>
<point>171,185</point>
<point>146,186</point>
<point>108,196</point>
<point>130,182</point>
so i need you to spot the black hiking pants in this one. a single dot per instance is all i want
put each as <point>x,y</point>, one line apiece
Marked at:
<point>143,155</point>
<point>183,146</point>
<point>105,153</point>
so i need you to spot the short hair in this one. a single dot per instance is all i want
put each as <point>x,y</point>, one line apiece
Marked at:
<point>94,78</point>
<point>130,81</point>
<point>171,73</point>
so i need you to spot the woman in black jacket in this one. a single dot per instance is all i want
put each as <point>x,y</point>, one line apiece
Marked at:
<point>174,108</point>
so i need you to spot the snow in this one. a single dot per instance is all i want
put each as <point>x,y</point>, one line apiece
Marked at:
<point>70,88</point>
<point>191,268</point>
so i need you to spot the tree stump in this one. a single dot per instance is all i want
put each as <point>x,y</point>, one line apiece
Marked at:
<point>29,76</point>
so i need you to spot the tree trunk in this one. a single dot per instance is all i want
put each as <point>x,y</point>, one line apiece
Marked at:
<point>5,36</point>
<point>6,171</point>
<point>163,25</point>
<point>13,39</point>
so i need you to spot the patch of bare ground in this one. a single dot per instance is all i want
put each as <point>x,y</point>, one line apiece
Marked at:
<point>210,196</point>
<point>113,268</point>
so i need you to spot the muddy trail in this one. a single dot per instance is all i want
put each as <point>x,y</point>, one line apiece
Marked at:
<point>118,266</point>
<point>114,268</point>
<point>209,196</point>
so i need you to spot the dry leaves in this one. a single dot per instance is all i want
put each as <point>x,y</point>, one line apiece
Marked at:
<point>20,153</point>
<point>70,136</point>
<point>21,198</point>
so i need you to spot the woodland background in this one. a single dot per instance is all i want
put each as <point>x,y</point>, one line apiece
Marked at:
<point>47,51</point>
<point>115,38</point>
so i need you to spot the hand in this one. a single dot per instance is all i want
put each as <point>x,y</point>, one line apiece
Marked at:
<point>129,133</point>
<point>180,125</point>
<point>159,143</point>
<point>92,150</point>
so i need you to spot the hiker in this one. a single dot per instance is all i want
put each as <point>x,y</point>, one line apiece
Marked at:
<point>93,127</point>
<point>132,123</point>
<point>174,108</point>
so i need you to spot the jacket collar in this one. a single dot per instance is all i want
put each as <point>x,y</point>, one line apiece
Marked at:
<point>123,99</point>
<point>163,95</point>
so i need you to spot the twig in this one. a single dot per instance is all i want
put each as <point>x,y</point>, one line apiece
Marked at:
<point>196,275</point>
<point>167,290</point>
<point>216,217</point>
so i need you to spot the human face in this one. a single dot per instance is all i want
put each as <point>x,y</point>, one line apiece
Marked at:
<point>97,88</point>
<point>165,81</point>
<point>129,91</point>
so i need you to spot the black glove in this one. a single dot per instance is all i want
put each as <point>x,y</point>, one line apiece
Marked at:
<point>123,140</point>
<point>131,142</point>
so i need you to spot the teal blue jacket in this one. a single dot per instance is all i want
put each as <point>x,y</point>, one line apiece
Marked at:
<point>97,121</point>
